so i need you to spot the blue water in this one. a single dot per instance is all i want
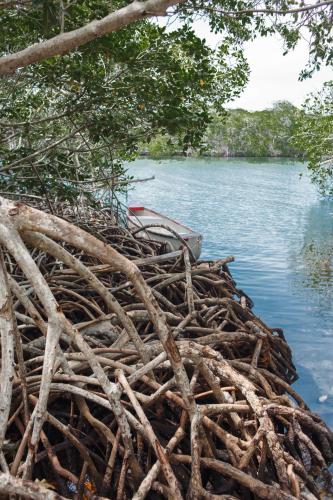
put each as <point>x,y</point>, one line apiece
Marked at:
<point>281,234</point>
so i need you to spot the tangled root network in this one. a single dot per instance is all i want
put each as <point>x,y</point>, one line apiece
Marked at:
<point>130,374</point>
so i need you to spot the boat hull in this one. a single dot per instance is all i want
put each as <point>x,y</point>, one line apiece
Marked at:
<point>154,226</point>
<point>172,243</point>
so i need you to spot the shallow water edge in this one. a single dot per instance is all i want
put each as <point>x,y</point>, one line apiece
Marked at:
<point>281,234</point>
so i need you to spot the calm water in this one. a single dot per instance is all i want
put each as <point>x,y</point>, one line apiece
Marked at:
<point>281,234</point>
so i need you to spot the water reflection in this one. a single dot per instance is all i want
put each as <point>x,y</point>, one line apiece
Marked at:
<point>313,262</point>
<point>282,236</point>
<point>311,270</point>
<point>317,257</point>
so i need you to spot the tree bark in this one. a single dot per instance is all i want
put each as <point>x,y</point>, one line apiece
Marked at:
<point>65,42</point>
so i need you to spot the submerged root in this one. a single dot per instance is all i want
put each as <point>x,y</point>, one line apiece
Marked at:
<point>138,375</point>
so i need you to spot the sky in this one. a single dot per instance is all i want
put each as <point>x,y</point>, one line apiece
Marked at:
<point>274,77</point>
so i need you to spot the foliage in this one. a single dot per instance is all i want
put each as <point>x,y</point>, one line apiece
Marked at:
<point>243,20</point>
<point>161,146</point>
<point>69,122</point>
<point>242,133</point>
<point>314,136</point>
<point>101,101</point>
<point>258,133</point>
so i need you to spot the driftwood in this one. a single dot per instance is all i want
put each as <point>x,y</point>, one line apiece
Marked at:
<point>126,375</point>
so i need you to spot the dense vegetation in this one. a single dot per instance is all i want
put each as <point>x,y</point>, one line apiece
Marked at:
<point>314,135</point>
<point>69,123</point>
<point>241,133</point>
<point>84,82</point>
<point>76,100</point>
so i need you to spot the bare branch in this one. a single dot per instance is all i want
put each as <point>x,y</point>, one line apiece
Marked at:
<point>305,8</point>
<point>33,122</point>
<point>13,4</point>
<point>66,42</point>
<point>15,164</point>
<point>25,489</point>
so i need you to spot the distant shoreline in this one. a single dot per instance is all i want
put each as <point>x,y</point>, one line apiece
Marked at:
<point>267,133</point>
<point>211,155</point>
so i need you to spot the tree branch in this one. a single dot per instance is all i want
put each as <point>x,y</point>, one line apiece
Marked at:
<point>33,122</point>
<point>305,8</point>
<point>15,164</point>
<point>66,42</point>
<point>13,3</point>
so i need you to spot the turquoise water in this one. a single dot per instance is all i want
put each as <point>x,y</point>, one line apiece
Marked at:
<point>281,234</point>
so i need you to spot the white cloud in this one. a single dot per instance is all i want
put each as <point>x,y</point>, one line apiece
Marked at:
<point>274,77</point>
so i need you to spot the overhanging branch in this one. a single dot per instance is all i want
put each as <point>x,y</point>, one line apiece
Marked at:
<point>304,8</point>
<point>66,42</point>
<point>135,11</point>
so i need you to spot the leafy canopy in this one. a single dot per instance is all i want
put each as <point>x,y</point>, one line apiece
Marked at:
<point>68,123</point>
<point>241,133</point>
<point>314,136</point>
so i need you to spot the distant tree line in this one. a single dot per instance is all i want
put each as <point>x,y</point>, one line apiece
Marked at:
<point>269,132</point>
<point>84,82</point>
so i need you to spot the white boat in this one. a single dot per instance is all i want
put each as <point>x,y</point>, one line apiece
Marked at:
<point>158,227</point>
